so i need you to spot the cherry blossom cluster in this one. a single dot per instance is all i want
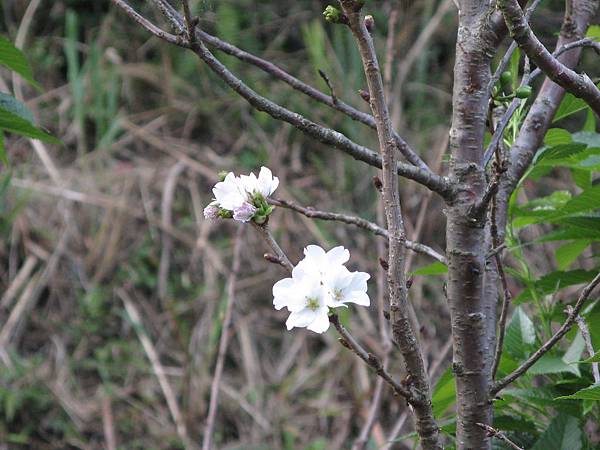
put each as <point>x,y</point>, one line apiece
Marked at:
<point>243,198</point>
<point>319,283</point>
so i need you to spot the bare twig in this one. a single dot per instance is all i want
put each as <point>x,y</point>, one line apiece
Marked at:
<point>359,222</point>
<point>329,85</point>
<point>579,85</point>
<point>349,342</point>
<point>207,443</point>
<point>402,331</point>
<point>322,134</point>
<point>587,338</point>
<point>265,233</point>
<point>492,432</point>
<point>147,25</point>
<point>506,299</point>
<point>386,343</point>
<point>277,72</point>
<point>189,21</point>
<point>565,327</point>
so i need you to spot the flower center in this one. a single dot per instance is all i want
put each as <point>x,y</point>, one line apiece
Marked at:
<point>337,294</point>
<point>312,303</point>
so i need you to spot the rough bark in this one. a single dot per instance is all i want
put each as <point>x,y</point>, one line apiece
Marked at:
<point>473,316</point>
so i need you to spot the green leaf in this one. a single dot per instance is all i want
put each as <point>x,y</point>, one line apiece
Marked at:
<point>563,433</point>
<point>582,178</point>
<point>15,60</point>
<point>548,364</point>
<point>444,393</point>
<point>11,104</point>
<point>569,105</point>
<point>592,139</point>
<point>568,253</point>
<point>15,124</point>
<point>593,32</point>
<point>575,350</point>
<point>589,393</point>
<point>556,281</point>
<point>557,136</point>
<point>520,334</point>
<point>541,397</point>
<point>590,121</point>
<point>593,359</point>
<point>436,268</point>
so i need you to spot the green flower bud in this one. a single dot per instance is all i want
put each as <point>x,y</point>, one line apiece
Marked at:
<point>260,219</point>
<point>523,91</point>
<point>222,174</point>
<point>225,214</point>
<point>506,78</point>
<point>506,81</point>
<point>332,14</point>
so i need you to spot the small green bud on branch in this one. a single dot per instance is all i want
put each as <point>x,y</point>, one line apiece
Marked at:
<point>523,92</point>
<point>334,15</point>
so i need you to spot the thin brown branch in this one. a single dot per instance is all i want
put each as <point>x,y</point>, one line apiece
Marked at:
<point>373,361</point>
<point>359,222</point>
<point>207,442</point>
<point>565,327</point>
<point>506,299</point>
<point>320,133</point>
<point>190,22</point>
<point>265,233</point>
<point>402,331</point>
<point>277,72</point>
<point>492,432</point>
<point>147,25</point>
<point>580,85</point>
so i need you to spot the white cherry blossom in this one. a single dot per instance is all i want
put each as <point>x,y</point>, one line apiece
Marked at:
<point>307,300</point>
<point>265,184</point>
<point>244,198</point>
<point>318,263</point>
<point>347,287</point>
<point>229,193</point>
<point>319,282</point>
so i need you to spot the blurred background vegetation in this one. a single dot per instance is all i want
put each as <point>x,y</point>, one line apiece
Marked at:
<point>113,217</point>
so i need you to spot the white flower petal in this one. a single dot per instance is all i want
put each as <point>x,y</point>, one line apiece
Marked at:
<point>358,297</point>
<point>300,319</point>
<point>282,292</point>
<point>320,324</point>
<point>358,281</point>
<point>338,255</point>
<point>315,252</point>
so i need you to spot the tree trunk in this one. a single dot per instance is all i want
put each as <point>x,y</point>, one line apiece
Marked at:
<point>473,313</point>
